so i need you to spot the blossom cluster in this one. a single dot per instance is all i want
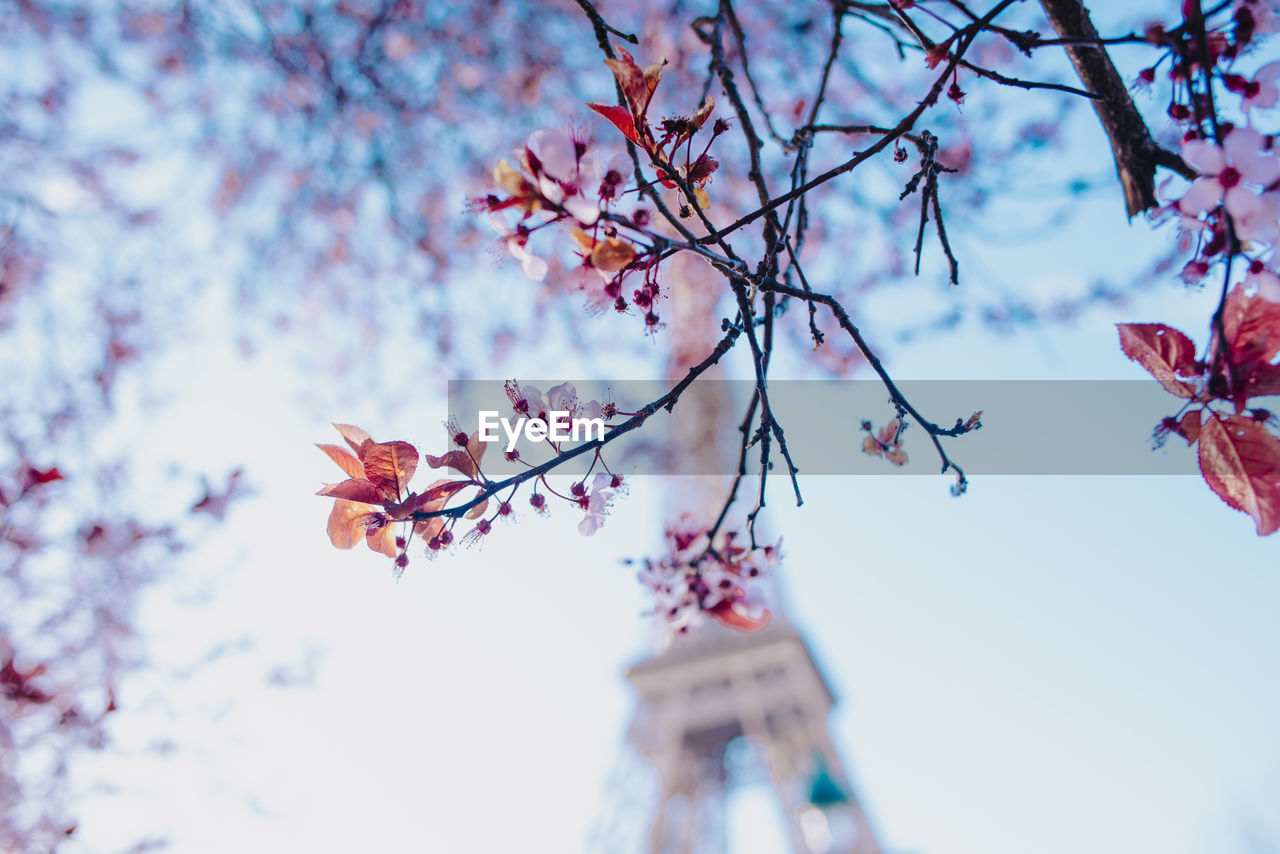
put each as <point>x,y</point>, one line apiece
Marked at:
<point>560,179</point>
<point>1232,208</point>
<point>1233,203</point>
<point>709,576</point>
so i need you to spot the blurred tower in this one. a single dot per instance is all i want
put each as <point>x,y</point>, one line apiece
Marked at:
<point>713,686</point>
<point>707,692</point>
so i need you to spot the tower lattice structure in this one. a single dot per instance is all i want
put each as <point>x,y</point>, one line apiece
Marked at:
<point>712,687</point>
<point>708,692</point>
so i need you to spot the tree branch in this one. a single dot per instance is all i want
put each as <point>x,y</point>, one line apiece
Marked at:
<point>1134,149</point>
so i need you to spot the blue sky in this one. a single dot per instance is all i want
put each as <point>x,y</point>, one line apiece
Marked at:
<point>1047,664</point>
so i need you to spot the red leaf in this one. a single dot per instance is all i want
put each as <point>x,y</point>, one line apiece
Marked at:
<point>1240,461</point>
<point>16,685</point>
<point>1252,325</point>
<point>356,489</point>
<point>345,459</point>
<point>33,476</point>
<point>1162,350</point>
<point>216,504</point>
<point>389,466</point>
<point>621,118</point>
<point>1263,380</point>
<point>631,79</point>
<point>1189,426</point>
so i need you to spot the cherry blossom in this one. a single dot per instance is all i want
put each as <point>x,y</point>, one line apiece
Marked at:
<point>597,503</point>
<point>1263,91</point>
<point>568,173</point>
<point>1226,175</point>
<point>530,401</point>
<point>533,266</point>
<point>1264,15</point>
<point>1263,281</point>
<point>697,579</point>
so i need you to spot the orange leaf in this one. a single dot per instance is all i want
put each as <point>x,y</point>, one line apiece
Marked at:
<point>585,241</point>
<point>345,459</point>
<point>354,435</point>
<point>1189,426</point>
<point>621,118</point>
<point>440,492</point>
<point>612,255</point>
<point>704,112</point>
<point>1164,351</point>
<point>356,489</point>
<point>478,511</point>
<point>390,466</point>
<point>1240,461</point>
<point>458,460</point>
<point>346,523</point>
<point>429,528</point>
<point>729,617</point>
<point>383,540</point>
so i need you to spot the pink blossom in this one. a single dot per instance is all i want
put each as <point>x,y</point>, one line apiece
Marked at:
<point>1266,92</point>
<point>568,173</point>
<point>534,267</point>
<point>594,283</point>
<point>1259,220</point>
<point>692,582</point>
<point>1265,13</point>
<point>1263,281</point>
<point>1227,173</point>
<point>597,504</point>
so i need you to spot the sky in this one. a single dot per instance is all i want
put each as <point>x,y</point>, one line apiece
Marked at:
<point>1048,664</point>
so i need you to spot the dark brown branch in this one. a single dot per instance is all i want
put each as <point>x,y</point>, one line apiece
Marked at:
<point>935,431</point>
<point>603,29</point>
<point>668,402</point>
<point>908,121</point>
<point>745,429</point>
<point>1134,149</point>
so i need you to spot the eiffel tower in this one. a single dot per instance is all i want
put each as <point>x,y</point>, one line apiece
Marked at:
<point>714,686</point>
<point>712,690</point>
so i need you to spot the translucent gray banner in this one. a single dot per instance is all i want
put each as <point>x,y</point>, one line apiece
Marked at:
<point>1028,427</point>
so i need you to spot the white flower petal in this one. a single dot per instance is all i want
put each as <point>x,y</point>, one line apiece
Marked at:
<point>1242,203</point>
<point>585,211</point>
<point>1242,145</point>
<point>1268,73</point>
<point>1206,157</point>
<point>1204,195</point>
<point>1260,170</point>
<point>555,151</point>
